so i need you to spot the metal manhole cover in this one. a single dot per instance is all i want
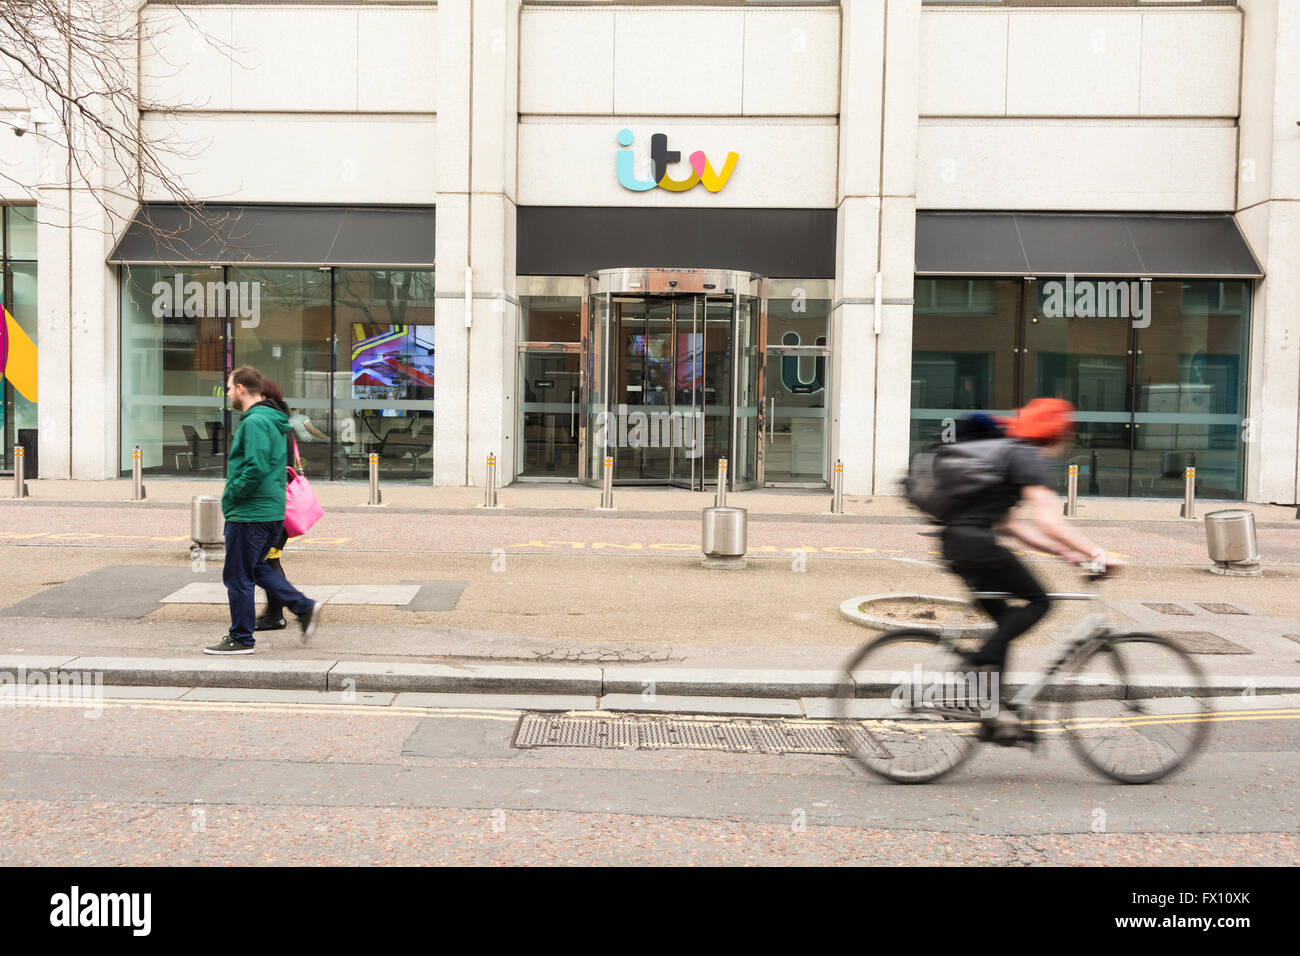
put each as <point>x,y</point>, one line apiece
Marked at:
<point>1169,609</point>
<point>1221,608</point>
<point>659,732</point>
<point>1203,642</point>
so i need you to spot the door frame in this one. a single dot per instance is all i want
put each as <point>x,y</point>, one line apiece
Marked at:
<point>601,286</point>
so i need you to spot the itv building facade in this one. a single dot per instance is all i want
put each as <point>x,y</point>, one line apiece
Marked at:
<point>781,233</point>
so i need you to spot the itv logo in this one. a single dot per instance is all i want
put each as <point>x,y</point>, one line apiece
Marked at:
<point>660,158</point>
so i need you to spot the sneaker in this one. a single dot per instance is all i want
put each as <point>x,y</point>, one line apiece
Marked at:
<point>229,645</point>
<point>268,623</point>
<point>308,620</point>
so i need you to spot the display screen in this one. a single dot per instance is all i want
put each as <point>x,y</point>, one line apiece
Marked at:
<point>392,361</point>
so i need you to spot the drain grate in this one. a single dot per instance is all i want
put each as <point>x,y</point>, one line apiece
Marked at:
<point>1176,609</point>
<point>1221,608</point>
<point>656,732</point>
<point>1203,642</point>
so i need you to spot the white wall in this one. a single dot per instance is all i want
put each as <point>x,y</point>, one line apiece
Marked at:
<point>296,104</point>
<point>1069,109</point>
<point>762,83</point>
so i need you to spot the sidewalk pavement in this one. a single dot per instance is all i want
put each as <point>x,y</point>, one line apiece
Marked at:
<point>639,501</point>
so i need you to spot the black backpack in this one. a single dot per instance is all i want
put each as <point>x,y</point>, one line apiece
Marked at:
<point>946,476</point>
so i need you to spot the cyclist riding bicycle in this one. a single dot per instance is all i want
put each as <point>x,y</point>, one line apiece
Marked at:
<point>1040,431</point>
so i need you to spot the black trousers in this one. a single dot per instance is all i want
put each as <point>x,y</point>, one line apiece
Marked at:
<point>985,565</point>
<point>274,608</point>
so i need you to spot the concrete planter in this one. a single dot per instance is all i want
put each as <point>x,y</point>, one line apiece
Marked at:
<point>849,609</point>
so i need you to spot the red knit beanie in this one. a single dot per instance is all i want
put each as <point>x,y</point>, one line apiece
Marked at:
<point>1043,420</point>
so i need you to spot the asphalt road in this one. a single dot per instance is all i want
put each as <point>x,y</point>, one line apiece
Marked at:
<point>172,782</point>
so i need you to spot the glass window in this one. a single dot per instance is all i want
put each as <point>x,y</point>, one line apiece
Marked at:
<point>550,308</point>
<point>21,238</point>
<point>1191,389</point>
<point>384,383</point>
<point>963,351</point>
<point>173,355</point>
<point>283,329</point>
<point>796,384</point>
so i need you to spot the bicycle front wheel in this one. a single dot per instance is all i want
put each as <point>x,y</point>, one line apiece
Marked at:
<point>918,718</point>
<point>1113,718</point>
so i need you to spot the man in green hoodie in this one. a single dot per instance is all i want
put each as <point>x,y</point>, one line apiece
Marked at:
<point>253,504</point>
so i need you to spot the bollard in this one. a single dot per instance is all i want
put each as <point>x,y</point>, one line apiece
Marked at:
<point>1189,494</point>
<point>1072,493</point>
<point>837,488</point>
<point>607,485</point>
<point>375,495</point>
<point>720,499</point>
<point>723,538</point>
<point>1094,483</point>
<point>490,486</point>
<point>20,485</point>
<point>1230,539</point>
<point>137,474</point>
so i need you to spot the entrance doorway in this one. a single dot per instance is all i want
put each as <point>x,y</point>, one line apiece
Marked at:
<point>671,376</point>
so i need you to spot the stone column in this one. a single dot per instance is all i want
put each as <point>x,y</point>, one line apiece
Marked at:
<point>1268,210</point>
<point>876,231</point>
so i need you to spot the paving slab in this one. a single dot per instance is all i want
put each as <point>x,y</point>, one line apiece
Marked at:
<point>256,695</point>
<point>10,663</point>
<point>199,671</point>
<point>740,706</point>
<point>824,708</point>
<point>210,593</point>
<point>392,594</point>
<point>435,595</point>
<point>467,678</point>
<point>118,592</point>
<point>121,692</point>
<point>720,682</point>
<point>514,702</point>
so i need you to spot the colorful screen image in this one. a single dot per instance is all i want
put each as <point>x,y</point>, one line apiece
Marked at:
<point>388,360</point>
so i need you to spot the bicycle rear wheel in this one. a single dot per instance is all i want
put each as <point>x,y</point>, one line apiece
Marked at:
<point>1115,722</point>
<point>920,721</point>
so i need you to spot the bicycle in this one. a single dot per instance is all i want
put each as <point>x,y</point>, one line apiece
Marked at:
<point>937,709</point>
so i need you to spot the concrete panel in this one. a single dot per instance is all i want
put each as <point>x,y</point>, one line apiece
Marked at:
<point>861,76</point>
<point>397,60</point>
<point>893,399</point>
<point>678,61</point>
<point>1259,49</point>
<point>1277,363</point>
<point>1286,110</point>
<point>552,79</point>
<point>187,59</point>
<point>341,159</point>
<point>19,162</point>
<point>1076,165</point>
<point>963,65</point>
<point>902,66</point>
<point>1085,64</point>
<point>1191,62</point>
<point>782,165</point>
<point>792,62</point>
<point>301,59</point>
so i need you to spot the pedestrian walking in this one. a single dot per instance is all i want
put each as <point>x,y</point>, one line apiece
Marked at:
<point>272,619</point>
<point>253,505</point>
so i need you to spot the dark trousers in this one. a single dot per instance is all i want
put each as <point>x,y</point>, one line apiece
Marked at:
<point>246,568</point>
<point>985,565</point>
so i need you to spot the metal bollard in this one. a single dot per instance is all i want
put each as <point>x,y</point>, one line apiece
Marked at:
<point>607,485</point>
<point>720,499</point>
<point>490,486</point>
<point>20,485</point>
<point>137,474</point>
<point>1094,482</point>
<point>1072,493</point>
<point>1189,494</point>
<point>375,495</point>
<point>837,488</point>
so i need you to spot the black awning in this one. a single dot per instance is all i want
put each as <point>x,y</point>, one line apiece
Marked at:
<point>1150,245</point>
<point>221,234</point>
<point>575,240</point>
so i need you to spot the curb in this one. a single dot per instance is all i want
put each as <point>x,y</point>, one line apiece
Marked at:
<point>524,680</point>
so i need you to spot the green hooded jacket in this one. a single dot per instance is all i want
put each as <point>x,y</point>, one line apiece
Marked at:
<point>255,473</point>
